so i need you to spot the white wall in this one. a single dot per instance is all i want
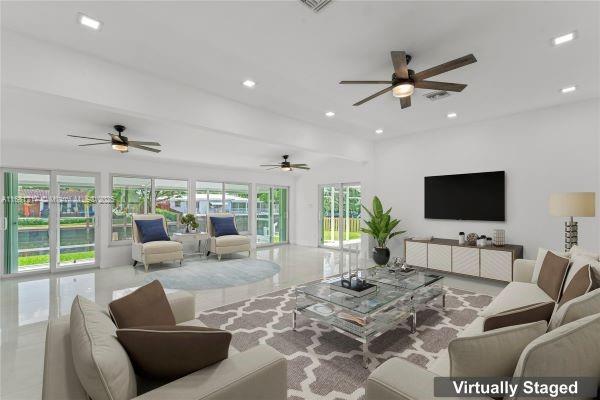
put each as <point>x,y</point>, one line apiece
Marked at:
<point>19,156</point>
<point>543,151</point>
<point>307,193</point>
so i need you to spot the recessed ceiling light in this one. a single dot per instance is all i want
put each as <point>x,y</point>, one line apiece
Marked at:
<point>452,115</point>
<point>248,83</point>
<point>89,22</point>
<point>563,38</point>
<point>329,114</point>
<point>379,131</point>
<point>568,89</point>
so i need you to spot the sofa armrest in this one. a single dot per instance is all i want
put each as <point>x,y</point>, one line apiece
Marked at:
<point>183,305</point>
<point>259,373</point>
<point>398,379</point>
<point>523,270</point>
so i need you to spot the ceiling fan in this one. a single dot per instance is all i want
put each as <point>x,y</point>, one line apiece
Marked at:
<point>285,165</point>
<point>119,142</point>
<point>404,80</point>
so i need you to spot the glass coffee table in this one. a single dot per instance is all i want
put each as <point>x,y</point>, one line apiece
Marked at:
<point>365,318</point>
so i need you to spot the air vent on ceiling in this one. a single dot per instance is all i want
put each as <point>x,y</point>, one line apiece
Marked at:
<point>437,95</point>
<point>316,5</point>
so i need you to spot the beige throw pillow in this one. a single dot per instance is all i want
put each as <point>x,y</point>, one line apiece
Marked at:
<point>579,307</point>
<point>101,363</point>
<point>493,353</point>
<point>552,275</point>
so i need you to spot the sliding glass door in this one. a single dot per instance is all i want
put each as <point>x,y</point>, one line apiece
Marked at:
<point>49,220</point>
<point>271,215</point>
<point>26,221</point>
<point>340,213</point>
<point>76,220</point>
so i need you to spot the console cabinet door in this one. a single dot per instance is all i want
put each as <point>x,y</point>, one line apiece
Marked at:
<point>416,254</point>
<point>465,260</point>
<point>496,264</point>
<point>439,256</point>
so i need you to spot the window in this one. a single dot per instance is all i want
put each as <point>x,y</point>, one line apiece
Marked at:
<point>130,196</point>
<point>340,215</point>
<point>271,215</point>
<point>236,203</point>
<point>171,201</point>
<point>209,200</point>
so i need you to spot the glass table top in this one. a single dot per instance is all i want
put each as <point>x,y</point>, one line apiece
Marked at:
<point>402,290</point>
<point>412,281</point>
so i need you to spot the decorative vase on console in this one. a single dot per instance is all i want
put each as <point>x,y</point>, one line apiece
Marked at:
<point>381,227</point>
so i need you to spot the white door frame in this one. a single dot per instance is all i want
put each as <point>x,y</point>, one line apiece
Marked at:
<point>340,188</point>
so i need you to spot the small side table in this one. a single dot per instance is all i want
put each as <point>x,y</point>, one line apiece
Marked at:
<point>200,239</point>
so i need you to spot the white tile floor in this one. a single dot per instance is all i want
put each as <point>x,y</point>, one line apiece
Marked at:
<point>28,302</point>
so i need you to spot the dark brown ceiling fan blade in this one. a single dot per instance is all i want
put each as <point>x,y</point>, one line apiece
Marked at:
<point>87,137</point>
<point>300,167</point>
<point>450,87</point>
<point>270,165</point>
<point>371,97</point>
<point>277,167</point>
<point>143,143</point>
<point>365,82</point>
<point>445,67</point>
<point>93,144</point>
<point>400,66</point>
<point>144,148</point>
<point>405,102</point>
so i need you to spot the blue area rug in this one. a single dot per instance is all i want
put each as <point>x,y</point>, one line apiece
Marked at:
<point>201,274</point>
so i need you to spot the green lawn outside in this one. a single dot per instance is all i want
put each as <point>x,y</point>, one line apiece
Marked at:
<point>64,258</point>
<point>327,236</point>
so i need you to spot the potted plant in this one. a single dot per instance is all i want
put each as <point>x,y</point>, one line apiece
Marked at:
<point>189,220</point>
<point>381,227</point>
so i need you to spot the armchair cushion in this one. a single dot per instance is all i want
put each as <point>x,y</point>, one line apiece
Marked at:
<point>151,230</point>
<point>223,226</point>
<point>575,309</point>
<point>231,240</point>
<point>147,305</point>
<point>161,247</point>
<point>171,352</point>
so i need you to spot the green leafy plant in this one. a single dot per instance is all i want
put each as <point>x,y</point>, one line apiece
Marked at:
<point>381,226</point>
<point>189,220</point>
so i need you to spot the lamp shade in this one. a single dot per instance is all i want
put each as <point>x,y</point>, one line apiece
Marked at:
<point>573,204</point>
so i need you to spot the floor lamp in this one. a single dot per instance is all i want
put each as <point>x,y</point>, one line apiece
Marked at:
<point>572,204</point>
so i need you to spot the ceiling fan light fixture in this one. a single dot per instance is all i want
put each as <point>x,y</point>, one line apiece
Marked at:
<point>403,90</point>
<point>120,147</point>
<point>286,168</point>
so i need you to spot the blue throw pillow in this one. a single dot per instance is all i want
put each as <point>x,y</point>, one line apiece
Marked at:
<point>151,230</point>
<point>223,226</point>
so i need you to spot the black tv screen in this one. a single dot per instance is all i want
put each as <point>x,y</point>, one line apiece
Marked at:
<point>475,197</point>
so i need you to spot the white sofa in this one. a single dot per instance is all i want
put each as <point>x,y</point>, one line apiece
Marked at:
<point>153,252</point>
<point>570,348</point>
<point>259,373</point>
<point>229,243</point>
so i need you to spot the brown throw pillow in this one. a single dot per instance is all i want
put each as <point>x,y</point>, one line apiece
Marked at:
<point>580,284</point>
<point>552,274</point>
<point>147,305</point>
<point>521,315</point>
<point>171,352</point>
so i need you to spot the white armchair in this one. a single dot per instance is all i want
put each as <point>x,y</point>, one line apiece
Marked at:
<point>153,252</point>
<point>229,243</point>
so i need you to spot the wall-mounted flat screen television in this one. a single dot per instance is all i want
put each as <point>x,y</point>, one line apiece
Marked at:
<point>476,197</point>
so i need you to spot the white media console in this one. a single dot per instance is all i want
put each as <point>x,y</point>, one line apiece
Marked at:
<point>447,255</point>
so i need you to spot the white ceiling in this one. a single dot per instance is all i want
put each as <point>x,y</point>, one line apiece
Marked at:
<point>55,117</point>
<point>297,57</point>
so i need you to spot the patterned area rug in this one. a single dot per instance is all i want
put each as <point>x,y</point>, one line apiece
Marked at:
<point>325,364</point>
